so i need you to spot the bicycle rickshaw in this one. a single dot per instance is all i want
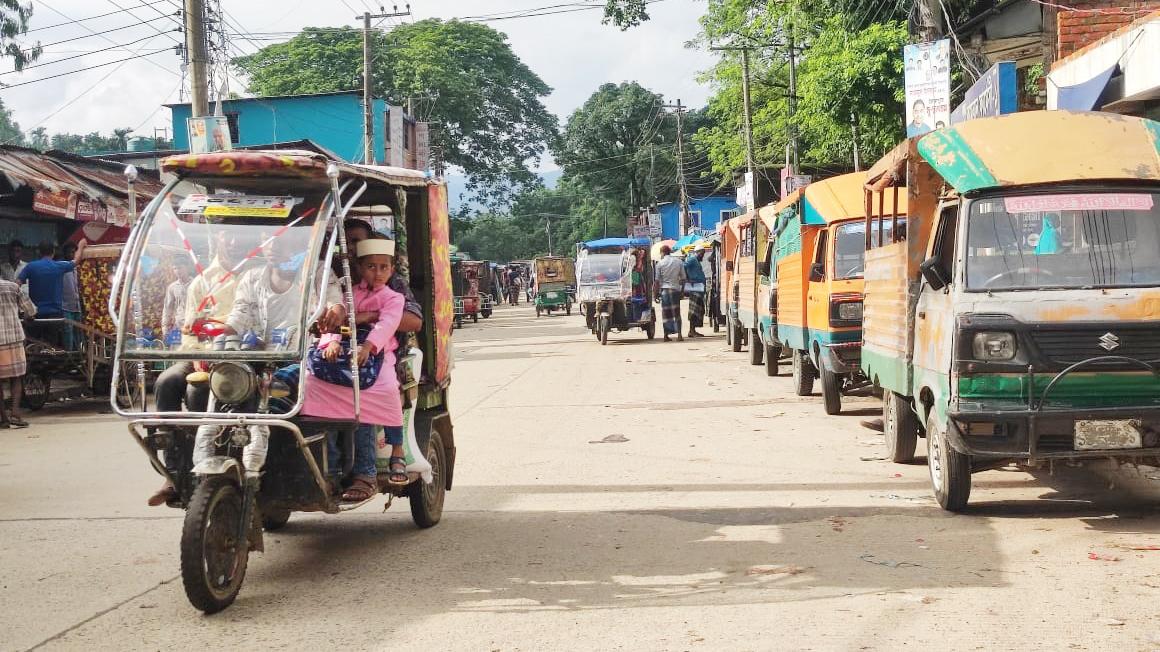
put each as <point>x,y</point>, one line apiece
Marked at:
<point>615,277</point>
<point>553,276</point>
<point>251,458</point>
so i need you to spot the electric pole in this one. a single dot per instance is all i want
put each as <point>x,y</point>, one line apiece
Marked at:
<point>927,24</point>
<point>195,45</point>
<point>793,141</point>
<point>684,193</point>
<point>750,166</point>
<point>368,93</point>
<point>857,154</point>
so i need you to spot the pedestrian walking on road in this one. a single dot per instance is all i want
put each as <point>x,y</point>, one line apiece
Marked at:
<point>670,278</point>
<point>695,290</point>
<point>13,364</point>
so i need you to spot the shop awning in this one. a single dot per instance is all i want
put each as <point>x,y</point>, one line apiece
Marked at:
<point>1085,96</point>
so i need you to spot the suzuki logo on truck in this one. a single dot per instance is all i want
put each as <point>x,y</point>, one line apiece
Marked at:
<point>1109,342</point>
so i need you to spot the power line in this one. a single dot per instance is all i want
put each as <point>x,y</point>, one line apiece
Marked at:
<point>106,38</point>
<point>82,54</point>
<point>81,20</point>
<point>77,38</point>
<point>99,65</point>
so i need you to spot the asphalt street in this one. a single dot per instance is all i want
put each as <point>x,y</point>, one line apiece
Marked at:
<point>635,496</point>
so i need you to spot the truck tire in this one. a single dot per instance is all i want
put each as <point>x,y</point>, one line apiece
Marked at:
<point>803,374</point>
<point>772,353</point>
<point>950,470</point>
<point>737,339</point>
<point>756,348</point>
<point>831,392</point>
<point>900,427</point>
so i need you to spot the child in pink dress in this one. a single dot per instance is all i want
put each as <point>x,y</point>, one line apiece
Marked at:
<point>380,404</point>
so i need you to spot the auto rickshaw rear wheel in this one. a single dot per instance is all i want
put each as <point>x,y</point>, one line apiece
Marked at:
<point>772,354</point>
<point>900,427</point>
<point>803,374</point>
<point>831,392</point>
<point>427,499</point>
<point>213,560</point>
<point>275,519</point>
<point>36,390</point>
<point>737,340</point>
<point>756,348</point>
<point>605,326</point>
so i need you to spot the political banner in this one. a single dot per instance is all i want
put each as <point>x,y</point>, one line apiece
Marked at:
<point>928,86</point>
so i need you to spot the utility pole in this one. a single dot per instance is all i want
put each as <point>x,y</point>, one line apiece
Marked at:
<point>750,166</point>
<point>684,192</point>
<point>793,141</point>
<point>928,25</point>
<point>195,45</point>
<point>368,96</point>
<point>857,154</point>
<point>548,227</point>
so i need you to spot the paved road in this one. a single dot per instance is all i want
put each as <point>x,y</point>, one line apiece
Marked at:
<point>638,496</point>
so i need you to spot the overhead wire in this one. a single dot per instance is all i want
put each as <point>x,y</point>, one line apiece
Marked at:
<point>106,38</point>
<point>81,20</point>
<point>78,56</point>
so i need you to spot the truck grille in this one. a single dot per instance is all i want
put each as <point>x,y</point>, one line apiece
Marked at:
<point>1081,343</point>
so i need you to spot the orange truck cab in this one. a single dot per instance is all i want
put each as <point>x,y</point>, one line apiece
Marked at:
<point>820,250</point>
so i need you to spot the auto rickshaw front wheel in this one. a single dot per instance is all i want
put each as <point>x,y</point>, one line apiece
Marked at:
<point>213,560</point>
<point>831,392</point>
<point>772,355</point>
<point>427,498</point>
<point>803,374</point>
<point>756,347</point>
<point>950,470</point>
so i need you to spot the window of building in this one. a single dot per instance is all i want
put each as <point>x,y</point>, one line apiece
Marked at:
<point>232,120</point>
<point>730,214</point>
<point>695,219</point>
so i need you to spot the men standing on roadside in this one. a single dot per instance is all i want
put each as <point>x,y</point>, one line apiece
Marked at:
<point>13,364</point>
<point>10,269</point>
<point>695,290</point>
<point>45,278</point>
<point>670,277</point>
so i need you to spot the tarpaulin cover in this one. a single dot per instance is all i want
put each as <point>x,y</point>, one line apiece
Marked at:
<point>1084,96</point>
<point>608,243</point>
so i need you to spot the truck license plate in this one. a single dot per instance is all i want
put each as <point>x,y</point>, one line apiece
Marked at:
<point>553,295</point>
<point>1097,434</point>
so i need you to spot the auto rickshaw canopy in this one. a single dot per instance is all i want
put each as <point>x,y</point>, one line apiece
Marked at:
<point>296,164</point>
<point>1043,147</point>
<point>835,199</point>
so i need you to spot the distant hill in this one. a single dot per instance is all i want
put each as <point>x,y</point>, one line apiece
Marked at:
<point>457,188</point>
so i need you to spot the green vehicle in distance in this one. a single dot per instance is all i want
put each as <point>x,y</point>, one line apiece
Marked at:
<point>553,276</point>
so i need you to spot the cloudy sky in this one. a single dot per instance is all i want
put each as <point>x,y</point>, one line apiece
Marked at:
<point>573,52</point>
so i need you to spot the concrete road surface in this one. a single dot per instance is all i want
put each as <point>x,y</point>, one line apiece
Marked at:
<point>636,496</point>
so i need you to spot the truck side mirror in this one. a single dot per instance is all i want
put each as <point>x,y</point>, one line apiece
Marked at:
<point>817,272</point>
<point>729,266</point>
<point>763,268</point>
<point>934,274</point>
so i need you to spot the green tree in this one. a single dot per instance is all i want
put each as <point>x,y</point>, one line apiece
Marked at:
<point>465,77</point>
<point>122,137</point>
<point>38,139</point>
<point>852,77</point>
<point>10,133</point>
<point>13,23</point>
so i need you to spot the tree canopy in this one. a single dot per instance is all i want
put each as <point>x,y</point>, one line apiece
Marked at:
<point>464,77</point>
<point>13,23</point>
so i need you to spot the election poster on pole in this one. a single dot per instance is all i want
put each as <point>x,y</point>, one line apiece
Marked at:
<point>928,86</point>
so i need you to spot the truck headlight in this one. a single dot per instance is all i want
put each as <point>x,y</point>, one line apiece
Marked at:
<point>850,311</point>
<point>231,382</point>
<point>993,346</point>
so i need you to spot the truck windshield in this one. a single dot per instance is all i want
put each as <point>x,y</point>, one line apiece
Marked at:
<point>850,246</point>
<point>1072,240</point>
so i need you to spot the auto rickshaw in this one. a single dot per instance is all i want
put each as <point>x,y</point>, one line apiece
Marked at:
<point>487,286</point>
<point>820,251</point>
<point>465,275</point>
<point>553,276</point>
<point>614,286</point>
<point>251,458</point>
<point>1016,318</point>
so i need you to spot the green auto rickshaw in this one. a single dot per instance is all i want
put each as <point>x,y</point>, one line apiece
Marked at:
<point>553,276</point>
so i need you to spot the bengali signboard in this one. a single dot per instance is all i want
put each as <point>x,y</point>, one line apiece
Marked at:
<point>994,94</point>
<point>928,86</point>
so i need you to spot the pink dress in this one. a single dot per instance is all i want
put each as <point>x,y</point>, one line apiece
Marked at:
<point>380,404</point>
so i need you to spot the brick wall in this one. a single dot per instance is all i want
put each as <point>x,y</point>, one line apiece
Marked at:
<point>1078,28</point>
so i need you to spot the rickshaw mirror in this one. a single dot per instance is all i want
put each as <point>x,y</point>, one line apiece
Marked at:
<point>729,266</point>
<point>933,272</point>
<point>817,272</point>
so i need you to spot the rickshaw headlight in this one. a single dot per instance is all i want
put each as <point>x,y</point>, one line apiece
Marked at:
<point>850,311</point>
<point>231,382</point>
<point>993,346</point>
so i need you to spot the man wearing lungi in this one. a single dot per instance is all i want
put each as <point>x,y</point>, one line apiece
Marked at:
<point>668,283</point>
<point>13,364</point>
<point>695,290</point>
